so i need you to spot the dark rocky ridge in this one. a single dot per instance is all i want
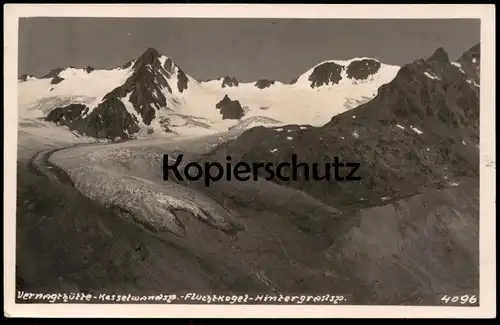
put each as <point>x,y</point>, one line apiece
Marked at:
<point>127,65</point>
<point>145,87</point>
<point>68,115</point>
<point>327,73</point>
<point>169,66</point>
<point>394,162</point>
<point>56,80</point>
<point>264,83</point>
<point>24,77</point>
<point>229,82</point>
<point>52,73</point>
<point>182,81</point>
<point>362,69</point>
<point>439,56</point>
<point>230,109</point>
<point>109,120</point>
<point>146,83</point>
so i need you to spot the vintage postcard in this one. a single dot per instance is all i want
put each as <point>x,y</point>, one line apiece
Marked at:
<point>249,161</point>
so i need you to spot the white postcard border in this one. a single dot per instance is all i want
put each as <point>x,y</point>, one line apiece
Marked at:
<point>487,308</point>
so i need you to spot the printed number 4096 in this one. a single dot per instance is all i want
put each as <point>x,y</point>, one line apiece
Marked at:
<point>465,299</point>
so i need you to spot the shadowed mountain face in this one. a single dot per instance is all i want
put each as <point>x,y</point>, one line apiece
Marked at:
<point>68,115</point>
<point>52,73</point>
<point>420,131</point>
<point>145,86</point>
<point>362,69</point>
<point>263,83</point>
<point>145,90</point>
<point>230,109</point>
<point>109,120</point>
<point>325,74</point>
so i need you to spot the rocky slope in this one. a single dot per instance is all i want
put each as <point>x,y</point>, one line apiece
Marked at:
<point>420,131</point>
<point>152,95</point>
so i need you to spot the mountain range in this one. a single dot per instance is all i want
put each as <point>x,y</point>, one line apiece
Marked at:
<point>152,95</point>
<point>421,130</point>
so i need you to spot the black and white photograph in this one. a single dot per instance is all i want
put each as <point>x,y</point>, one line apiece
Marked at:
<point>250,161</point>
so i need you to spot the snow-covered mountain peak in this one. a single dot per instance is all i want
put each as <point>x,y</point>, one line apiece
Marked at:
<point>150,55</point>
<point>229,82</point>
<point>37,97</point>
<point>439,55</point>
<point>335,73</point>
<point>349,61</point>
<point>266,83</point>
<point>153,59</point>
<point>473,55</point>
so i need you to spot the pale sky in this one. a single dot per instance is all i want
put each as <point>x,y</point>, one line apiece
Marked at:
<point>247,49</point>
